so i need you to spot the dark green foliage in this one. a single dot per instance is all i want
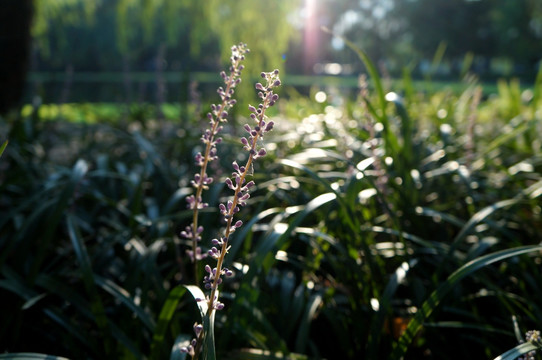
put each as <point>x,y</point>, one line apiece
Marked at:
<point>392,208</point>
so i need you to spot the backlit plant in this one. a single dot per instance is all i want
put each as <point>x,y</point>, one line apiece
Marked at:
<point>238,183</point>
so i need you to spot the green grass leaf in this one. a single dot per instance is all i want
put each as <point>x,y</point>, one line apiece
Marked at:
<point>3,147</point>
<point>401,347</point>
<point>89,280</point>
<point>165,317</point>
<point>30,356</point>
<point>516,352</point>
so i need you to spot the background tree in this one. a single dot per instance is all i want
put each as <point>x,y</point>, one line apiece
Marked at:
<point>15,20</point>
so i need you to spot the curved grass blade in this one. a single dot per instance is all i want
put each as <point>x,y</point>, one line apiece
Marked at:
<point>208,322</point>
<point>124,297</point>
<point>78,172</point>
<point>371,69</point>
<point>507,136</point>
<point>16,285</point>
<point>516,352</point>
<point>199,296</point>
<point>303,333</point>
<point>31,356</point>
<point>87,274</point>
<point>209,352</point>
<point>440,293</point>
<point>479,217</point>
<point>166,314</point>
<point>377,323</point>
<point>280,235</point>
<point>3,147</point>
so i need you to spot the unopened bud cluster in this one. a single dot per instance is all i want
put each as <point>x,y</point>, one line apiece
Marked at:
<point>190,349</point>
<point>238,181</point>
<point>218,115</point>
<point>532,336</point>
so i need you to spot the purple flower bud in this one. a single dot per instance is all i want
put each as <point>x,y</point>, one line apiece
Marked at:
<point>224,115</point>
<point>269,126</point>
<point>263,75</point>
<point>262,152</point>
<point>198,328</point>
<point>244,141</point>
<point>238,224</point>
<point>276,83</point>
<point>260,87</point>
<point>208,268</point>
<point>251,108</point>
<point>276,71</point>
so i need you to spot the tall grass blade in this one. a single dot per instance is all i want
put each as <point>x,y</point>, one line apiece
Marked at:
<point>3,147</point>
<point>209,352</point>
<point>89,280</point>
<point>166,314</point>
<point>437,59</point>
<point>373,72</point>
<point>384,302</point>
<point>79,170</point>
<point>401,347</point>
<point>303,334</point>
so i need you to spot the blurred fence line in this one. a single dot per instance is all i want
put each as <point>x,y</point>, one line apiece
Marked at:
<point>59,87</point>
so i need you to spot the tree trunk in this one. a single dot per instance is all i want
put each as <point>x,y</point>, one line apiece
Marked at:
<point>15,39</point>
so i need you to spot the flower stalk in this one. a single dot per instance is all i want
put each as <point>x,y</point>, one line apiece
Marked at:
<point>201,181</point>
<point>241,188</point>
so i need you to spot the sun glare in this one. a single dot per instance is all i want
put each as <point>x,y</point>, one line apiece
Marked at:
<point>311,35</point>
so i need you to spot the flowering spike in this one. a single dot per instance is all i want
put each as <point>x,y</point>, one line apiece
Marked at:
<point>218,114</point>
